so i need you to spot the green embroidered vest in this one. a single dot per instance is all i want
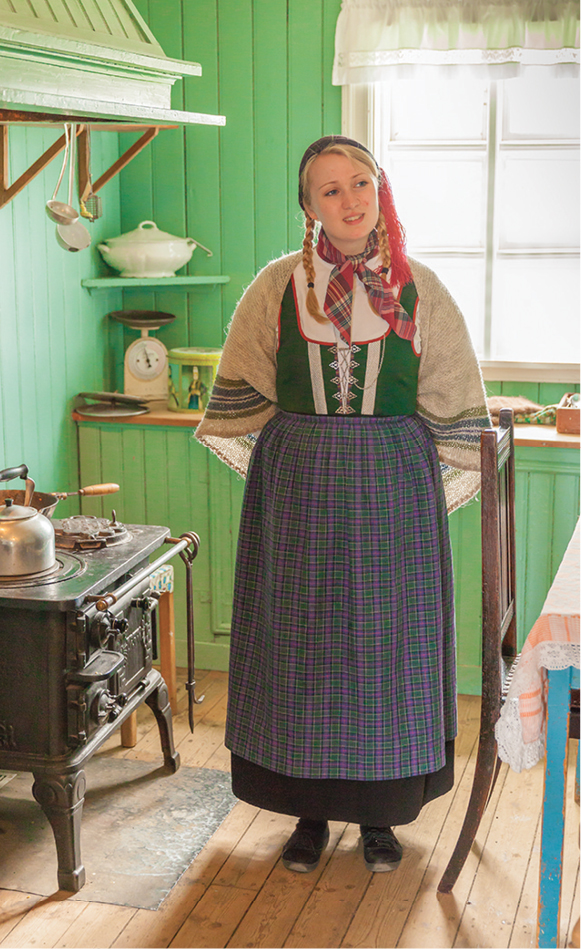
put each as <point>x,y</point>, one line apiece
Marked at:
<point>307,378</point>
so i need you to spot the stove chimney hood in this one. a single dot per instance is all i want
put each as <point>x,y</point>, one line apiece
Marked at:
<point>87,60</point>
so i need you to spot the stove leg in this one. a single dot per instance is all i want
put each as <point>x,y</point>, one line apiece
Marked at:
<point>61,797</point>
<point>158,702</point>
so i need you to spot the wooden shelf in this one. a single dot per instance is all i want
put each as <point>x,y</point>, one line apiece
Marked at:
<point>154,417</point>
<point>105,283</point>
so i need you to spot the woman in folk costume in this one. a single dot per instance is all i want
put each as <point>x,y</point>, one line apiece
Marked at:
<point>355,367</point>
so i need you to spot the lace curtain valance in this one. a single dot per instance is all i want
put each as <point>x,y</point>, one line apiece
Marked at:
<point>384,39</point>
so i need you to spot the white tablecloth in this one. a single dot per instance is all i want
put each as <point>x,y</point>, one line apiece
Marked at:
<point>553,643</point>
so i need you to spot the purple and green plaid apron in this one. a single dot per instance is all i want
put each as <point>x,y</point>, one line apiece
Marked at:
<point>342,657</point>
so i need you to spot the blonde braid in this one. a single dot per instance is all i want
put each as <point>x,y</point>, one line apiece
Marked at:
<point>312,301</point>
<point>383,240</point>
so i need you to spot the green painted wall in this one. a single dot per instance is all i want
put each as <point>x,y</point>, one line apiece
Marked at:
<point>53,335</point>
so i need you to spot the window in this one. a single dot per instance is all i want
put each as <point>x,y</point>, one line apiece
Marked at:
<point>485,177</point>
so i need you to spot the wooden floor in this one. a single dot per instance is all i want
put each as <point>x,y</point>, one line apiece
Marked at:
<point>236,893</point>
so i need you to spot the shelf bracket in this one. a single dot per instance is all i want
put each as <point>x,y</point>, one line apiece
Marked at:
<point>117,166</point>
<point>7,192</point>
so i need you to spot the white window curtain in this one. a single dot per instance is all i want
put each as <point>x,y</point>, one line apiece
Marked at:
<point>378,40</point>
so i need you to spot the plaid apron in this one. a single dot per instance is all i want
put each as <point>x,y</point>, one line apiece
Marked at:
<point>342,660</point>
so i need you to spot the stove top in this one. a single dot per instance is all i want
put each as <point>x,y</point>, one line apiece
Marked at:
<point>86,532</point>
<point>68,588</point>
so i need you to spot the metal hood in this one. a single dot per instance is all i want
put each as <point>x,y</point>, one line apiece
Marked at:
<point>88,59</point>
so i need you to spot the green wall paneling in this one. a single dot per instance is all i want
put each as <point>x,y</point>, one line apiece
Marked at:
<point>271,154</point>
<point>53,343</point>
<point>547,508</point>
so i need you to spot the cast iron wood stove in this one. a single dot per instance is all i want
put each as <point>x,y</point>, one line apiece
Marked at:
<point>76,651</point>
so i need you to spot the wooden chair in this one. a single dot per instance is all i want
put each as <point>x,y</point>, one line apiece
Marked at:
<point>499,644</point>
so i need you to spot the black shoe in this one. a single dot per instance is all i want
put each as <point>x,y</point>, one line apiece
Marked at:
<point>304,847</point>
<point>382,850</point>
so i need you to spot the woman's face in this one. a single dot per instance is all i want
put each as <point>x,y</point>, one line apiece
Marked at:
<point>343,197</point>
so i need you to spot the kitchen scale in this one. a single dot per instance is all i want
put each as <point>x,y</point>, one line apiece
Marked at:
<point>146,364</point>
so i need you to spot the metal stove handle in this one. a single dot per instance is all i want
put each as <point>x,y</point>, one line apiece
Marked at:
<point>104,601</point>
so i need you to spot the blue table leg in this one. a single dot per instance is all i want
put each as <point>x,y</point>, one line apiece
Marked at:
<point>560,683</point>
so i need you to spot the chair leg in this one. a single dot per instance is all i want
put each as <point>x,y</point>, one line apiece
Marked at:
<point>486,763</point>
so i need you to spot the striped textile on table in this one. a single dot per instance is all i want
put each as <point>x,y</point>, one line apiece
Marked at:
<point>342,657</point>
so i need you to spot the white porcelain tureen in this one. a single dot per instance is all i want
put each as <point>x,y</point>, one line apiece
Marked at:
<point>148,252</point>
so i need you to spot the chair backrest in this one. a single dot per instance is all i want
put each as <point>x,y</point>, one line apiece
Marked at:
<point>499,640</point>
<point>499,643</point>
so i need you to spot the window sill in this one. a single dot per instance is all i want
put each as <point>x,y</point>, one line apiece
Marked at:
<point>501,371</point>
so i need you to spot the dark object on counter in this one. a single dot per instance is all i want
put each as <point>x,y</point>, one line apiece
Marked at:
<point>109,405</point>
<point>568,414</point>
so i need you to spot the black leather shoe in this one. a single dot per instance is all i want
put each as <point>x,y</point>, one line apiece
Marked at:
<point>305,845</point>
<point>382,850</point>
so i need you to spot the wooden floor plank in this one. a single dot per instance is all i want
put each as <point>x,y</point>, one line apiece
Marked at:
<point>341,888</point>
<point>14,906</point>
<point>573,923</point>
<point>257,851</point>
<point>45,924</point>
<point>494,898</point>
<point>98,924</point>
<point>524,931</point>
<point>214,918</point>
<point>196,750</point>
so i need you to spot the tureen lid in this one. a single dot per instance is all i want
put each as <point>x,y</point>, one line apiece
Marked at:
<point>145,233</point>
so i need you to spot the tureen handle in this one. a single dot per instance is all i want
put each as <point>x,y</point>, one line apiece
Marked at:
<point>190,241</point>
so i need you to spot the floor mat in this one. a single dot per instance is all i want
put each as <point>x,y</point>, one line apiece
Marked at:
<point>141,828</point>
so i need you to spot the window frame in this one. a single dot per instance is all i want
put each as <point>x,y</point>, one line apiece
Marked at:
<point>360,120</point>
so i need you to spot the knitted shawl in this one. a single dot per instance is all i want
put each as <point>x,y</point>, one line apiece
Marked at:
<point>451,398</point>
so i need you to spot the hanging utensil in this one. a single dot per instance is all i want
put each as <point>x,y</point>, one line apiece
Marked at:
<point>91,204</point>
<point>58,211</point>
<point>74,236</point>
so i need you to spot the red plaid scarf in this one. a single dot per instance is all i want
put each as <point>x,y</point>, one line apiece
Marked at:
<point>339,299</point>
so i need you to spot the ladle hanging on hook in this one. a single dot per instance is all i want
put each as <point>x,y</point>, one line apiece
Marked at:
<point>58,211</point>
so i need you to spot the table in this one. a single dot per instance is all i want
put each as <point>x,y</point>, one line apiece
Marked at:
<point>535,717</point>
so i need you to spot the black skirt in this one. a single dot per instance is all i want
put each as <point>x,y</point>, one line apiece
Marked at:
<point>377,803</point>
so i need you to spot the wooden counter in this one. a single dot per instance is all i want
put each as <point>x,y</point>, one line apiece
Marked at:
<point>531,436</point>
<point>155,417</point>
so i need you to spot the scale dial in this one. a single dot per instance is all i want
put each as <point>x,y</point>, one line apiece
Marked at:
<point>147,358</point>
<point>146,370</point>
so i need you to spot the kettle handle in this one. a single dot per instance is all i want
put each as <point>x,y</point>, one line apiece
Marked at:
<point>10,473</point>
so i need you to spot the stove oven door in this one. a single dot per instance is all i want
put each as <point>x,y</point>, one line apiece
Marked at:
<point>119,657</point>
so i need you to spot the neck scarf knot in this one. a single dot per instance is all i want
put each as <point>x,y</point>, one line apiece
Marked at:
<point>339,300</point>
